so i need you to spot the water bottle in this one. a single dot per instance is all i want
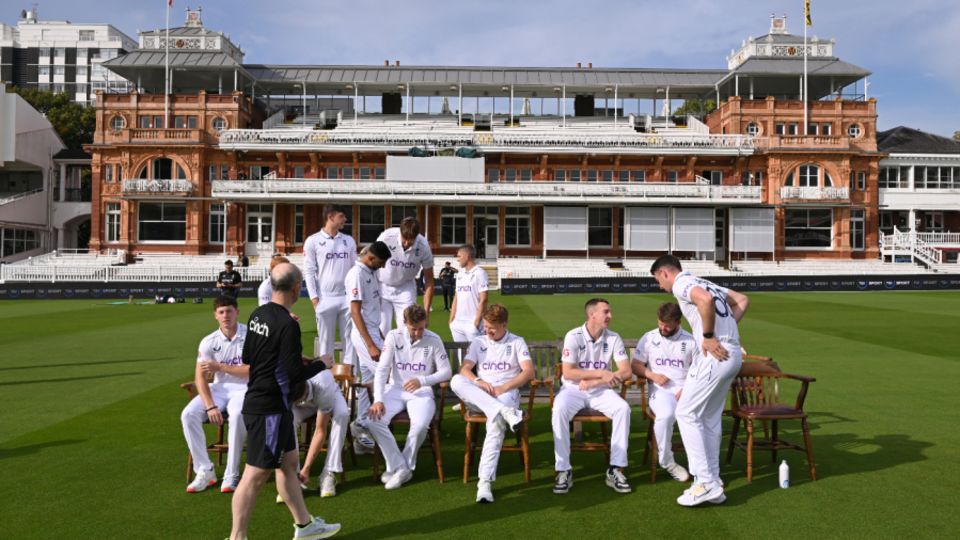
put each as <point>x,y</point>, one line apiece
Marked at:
<point>784,475</point>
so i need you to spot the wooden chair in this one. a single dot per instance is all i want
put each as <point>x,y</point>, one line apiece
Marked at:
<point>218,446</point>
<point>541,353</point>
<point>433,431</point>
<point>650,449</point>
<point>343,376</point>
<point>756,396</point>
<point>588,415</point>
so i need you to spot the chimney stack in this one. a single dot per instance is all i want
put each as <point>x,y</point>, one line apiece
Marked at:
<point>578,65</point>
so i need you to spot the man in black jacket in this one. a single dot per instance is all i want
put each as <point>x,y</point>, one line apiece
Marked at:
<point>274,353</point>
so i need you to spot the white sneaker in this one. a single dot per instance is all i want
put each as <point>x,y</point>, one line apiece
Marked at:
<point>361,449</point>
<point>202,481</point>
<point>229,484</point>
<point>456,407</point>
<point>279,499</point>
<point>677,472</point>
<point>512,417</point>
<point>328,485</point>
<point>484,491</point>
<point>719,500</point>
<point>701,493</point>
<point>360,432</point>
<point>385,477</point>
<point>315,530</point>
<point>399,478</point>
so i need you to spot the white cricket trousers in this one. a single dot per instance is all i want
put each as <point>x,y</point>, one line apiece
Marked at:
<point>420,407</point>
<point>475,397</point>
<point>365,366</point>
<point>663,404</point>
<point>569,402</point>
<point>463,330</point>
<point>227,398</point>
<point>700,411</point>
<point>331,401</point>
<point>393,300</point>
<point>330,311</point>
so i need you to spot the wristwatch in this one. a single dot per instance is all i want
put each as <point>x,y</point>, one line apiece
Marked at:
<point>708,335</point>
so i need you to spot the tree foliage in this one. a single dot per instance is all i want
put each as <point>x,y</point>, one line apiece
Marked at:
<point>956,135</point>
<point>696,107</point>
<point>73,122</point>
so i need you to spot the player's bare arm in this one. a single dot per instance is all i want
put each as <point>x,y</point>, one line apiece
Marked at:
<point>705,306</point>
<point>212,366</point>
<point>641,370</point>
<point>203,390</point>
<point>453,310</point>
<point>482,307</point>
<point>466,370</point>
<point>739,303</point>
<point>526,375</point>
<point>316,444</point>
<point>428,285</point>
<point>361,327</point>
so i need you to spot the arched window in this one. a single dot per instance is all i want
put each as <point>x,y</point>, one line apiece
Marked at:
<point>219,123</point>
<point>753,129</point>
<point>162,169</point>
<point>854,130</point>
<point>809,175</point>
<point>117,122</point>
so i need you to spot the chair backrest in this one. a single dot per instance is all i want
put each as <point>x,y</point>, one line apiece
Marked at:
<point>545,355</point>
<point>343,375</point>
<point>757,383</point>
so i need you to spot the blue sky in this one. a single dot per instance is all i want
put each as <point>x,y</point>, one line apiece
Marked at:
<point>912,48</point>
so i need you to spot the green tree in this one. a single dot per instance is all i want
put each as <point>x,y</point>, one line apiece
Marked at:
<point>696,107</point>
<point>73,122</point>
<point>956,135</point>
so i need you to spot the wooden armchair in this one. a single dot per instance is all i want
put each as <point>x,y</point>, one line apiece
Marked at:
<point>589,416</point>
<point>433,432</point>
<point>343,376</point>
<point>756,396</point>
<point>218,446</point>
<point>650,447</point>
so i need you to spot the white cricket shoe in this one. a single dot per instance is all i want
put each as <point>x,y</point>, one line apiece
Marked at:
<point>328,485</point>
<point>701,493</point>
<point>677,472</point>
<point>229,484</point>
<point>563,482</point>
<point>202,481</point>
<point>484,491</point>
<point>385,477</point>
<point>315,530</point>
<point>617,481</point>
<point>512,417</point>
<point>399,478</point>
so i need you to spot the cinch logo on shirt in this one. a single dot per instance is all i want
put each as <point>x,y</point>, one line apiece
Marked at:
<point>591,365</point>
<point>394,262</point>
<point>672,362</point>
<point>464,288</point>
<point>496,366</point>
<point>409,366</point>
<point>337,255</point>
<point>260,328</point>
<point>235,361</point>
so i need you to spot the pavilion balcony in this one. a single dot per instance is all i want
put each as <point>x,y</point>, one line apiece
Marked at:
<point>814,193</point>
<point>157,136</point>
<point>157,187</point>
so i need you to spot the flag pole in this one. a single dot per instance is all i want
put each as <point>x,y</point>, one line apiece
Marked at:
<point>166,72</point>
<point>806,23</point>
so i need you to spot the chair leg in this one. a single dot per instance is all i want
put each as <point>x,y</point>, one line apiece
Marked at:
<point>525,447</point>
<point>749,450</point>
<point>775,439</point>
<point>653,451</point>
<point>467,452</point>
<point>189,467</point>
<point>646,448</point>
<point>605,437</point>
<point>733,439</point>
<point>809,448</point>
<point>437,455</point>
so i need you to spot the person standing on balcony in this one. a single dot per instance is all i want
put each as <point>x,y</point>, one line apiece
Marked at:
<point>471,297</point>
<point>409,254</point>
<point>229,281</point>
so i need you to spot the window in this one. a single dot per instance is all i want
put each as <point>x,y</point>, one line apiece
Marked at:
<point>332,172</point>
<point>81,55</point>
<point>218,172</point>
<point>113,222</point>
<point>158,122</point>
<point>43,71</point>
<point>117,122</point>
<point>184,122</point>
<point>813,129</point>
<point>145,122</point>
<point>574,175</point>
<point>398,213</point>
<point>58,88</point>
<point>218,219</point>
<point>638,176</point>
<point>510,175</point>
<point>854,130</point>
<point>87,35</point>
<point>592,175</point>
<point>861,180</point>
<point>58,70</point>
<point>258,172</point>
<point>809,175</point>
<point>364,173</point>
<point>606,176</point>
<point>673,176</point>
<point>559,175</point>
<point>298,224</point>
<point>219,123</point>
<point>894,177</point>
<point>623,176</point>
<point>347,173</point>
<point>753,129</point>
<point>107,172</point>
<point>379,173</point>
<point>371,220</point>
<point>299,171</point>
<point>808,228</point>
<point>715,177</point>
<point>856,229</point>
<point>781,129</point>
<point>453,225</point>
<point>600,227</point>
<point>937,177</point>
<point>59,52</point>
<point>526,175</point>
<point>44,52</point>
<point>793,129</point>
<point>516,227</point>
<point>826,129</point>
<point>162,222</point>
<point>18,241</point>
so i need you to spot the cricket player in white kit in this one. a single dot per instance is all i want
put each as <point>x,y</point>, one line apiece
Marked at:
<point>413,361</point>
<point>503,365</point>
<point>589,352</point>
<point>220,355</point>
<point>409,253</point>
<point>363,292</point>
<point>265,290</point>
<point>328,256</point>
<point>321,395</point>
<point>470,299</point>
<point>713,312</point>
<point>663,356</point>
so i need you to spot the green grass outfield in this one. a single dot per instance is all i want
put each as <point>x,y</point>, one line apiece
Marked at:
<point>91,444</point>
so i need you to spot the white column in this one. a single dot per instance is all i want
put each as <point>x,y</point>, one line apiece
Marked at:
<point>511,105</point>
<point>616,89</point>
<point>563,102</point>
<point>913,220</point>
<point>460,104</point>
<point>409,104</point>
<point>63,181</point>
<point>356,94</point>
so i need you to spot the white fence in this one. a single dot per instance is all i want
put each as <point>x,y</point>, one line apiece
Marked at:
<point>53,273</point>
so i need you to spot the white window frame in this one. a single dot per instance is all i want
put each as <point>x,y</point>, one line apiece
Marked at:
<point>514,218</point>
<point>112,223</point>
<point>807,226</point>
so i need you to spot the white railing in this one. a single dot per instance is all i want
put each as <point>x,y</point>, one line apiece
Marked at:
<point>241,138</point>
<point>917,244</point>
<point>939,237</point>
<point>566,192</point>
<point>18,196</point>
<point>157,186</point>
<point>927,253</point>
<point>133,273</point>
<point>815,193</point>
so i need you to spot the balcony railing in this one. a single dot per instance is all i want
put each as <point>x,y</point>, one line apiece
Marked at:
<point>815,193</point>
<point>239,139</point>
<point>180,187</point>
<point>451,191</point>
<point>153,135</point>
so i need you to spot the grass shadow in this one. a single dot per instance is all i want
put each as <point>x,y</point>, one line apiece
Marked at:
<point>70,379</point>
<point>95,363</point>
<point>17,451</point>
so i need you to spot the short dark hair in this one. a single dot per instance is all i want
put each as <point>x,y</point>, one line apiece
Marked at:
<point>593,302</point>
<point>471,251</point>
<point>331,209</point>
<point>298,392</point>
<point>414,314</point>
<point>224,301</point>
<point>668,312</point>
<point>409,228</point>
<point>665,261</point>
<point>228,262</point>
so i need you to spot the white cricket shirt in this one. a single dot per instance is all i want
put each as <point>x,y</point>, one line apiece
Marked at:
<point>669,356</point>
<point>470,283</point>
<point>326,260</point>
<point>402,360</point>
<point>228,352</point>
<point>724,326</point>
<point>362,284</point>
<point>498,361</point>
<point>583,352</point>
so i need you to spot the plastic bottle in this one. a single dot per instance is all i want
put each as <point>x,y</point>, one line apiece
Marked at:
<point>784,475</point>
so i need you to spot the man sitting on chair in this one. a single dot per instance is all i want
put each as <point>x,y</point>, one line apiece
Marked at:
<point>588,353</point>
<point>663,356</point>
<point>412,361</point>
<point>503,366</point>
<point>321,395</point>
<point>220,355</point>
